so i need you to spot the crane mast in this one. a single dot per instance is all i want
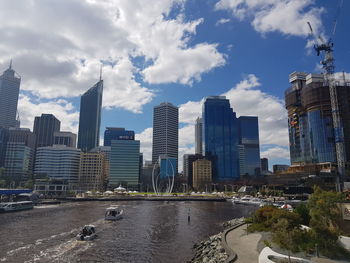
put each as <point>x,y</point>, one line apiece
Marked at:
<point>328,68</point>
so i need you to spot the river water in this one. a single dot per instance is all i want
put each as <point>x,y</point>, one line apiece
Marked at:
<point>149,232</point>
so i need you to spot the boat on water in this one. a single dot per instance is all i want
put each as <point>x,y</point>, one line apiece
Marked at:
<point>16,206</point>
<point>87,233</point>
<point>114,213</point>
<point>247,200</point>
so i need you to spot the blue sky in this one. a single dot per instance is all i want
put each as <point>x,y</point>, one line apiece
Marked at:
<point>168,50</point>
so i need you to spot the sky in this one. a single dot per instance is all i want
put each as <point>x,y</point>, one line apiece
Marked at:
<point>178,51</point>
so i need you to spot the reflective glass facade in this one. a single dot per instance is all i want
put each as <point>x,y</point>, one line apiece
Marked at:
<point>220,138</point>
<point>249,138</point>
<point>9,91</point>
<point>117,134</point>
<point>322,146</point>
<point>124,163</point>
<point>90,118</point>
<point>167,167</point>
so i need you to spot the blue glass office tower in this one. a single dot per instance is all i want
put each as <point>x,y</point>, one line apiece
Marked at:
<point>248,132</point>
<point>220,138</point>
<point>168,166</point>
<point>90,118</point>
<point>112,133</point>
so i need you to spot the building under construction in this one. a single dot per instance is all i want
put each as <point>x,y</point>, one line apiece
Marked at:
<point>310,123</point>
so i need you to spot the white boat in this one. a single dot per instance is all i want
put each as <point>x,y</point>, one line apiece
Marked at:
<point>113,213</point>
<point>87,233</point>
<point>16,206</point>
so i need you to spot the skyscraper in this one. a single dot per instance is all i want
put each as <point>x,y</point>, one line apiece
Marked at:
<point>220,137</point>
<point>90,117</point>
<point>19,155</point>
<point>199,136</point>
<point>44,128</point>
<point>264,165</point>
<point>165,131</point>
<point>248,132</point>
<point>310,123</point>
<point>112,133</point>
<point>9,90</point>
<point>124,163</point>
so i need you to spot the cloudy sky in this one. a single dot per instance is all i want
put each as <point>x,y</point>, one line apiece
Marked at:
<point>166,50</point>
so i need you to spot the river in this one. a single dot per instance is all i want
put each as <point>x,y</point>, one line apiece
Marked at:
<point>149,232</point>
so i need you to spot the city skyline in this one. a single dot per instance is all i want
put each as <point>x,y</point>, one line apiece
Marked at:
<point>213,48</point>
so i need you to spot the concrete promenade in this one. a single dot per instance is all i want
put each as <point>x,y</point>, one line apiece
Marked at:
<point>245,246</point>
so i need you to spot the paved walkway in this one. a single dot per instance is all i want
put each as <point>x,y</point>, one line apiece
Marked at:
<point>246,246</point>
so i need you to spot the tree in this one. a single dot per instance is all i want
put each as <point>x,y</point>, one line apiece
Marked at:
<point>324,216</point>
<point>304,213</point>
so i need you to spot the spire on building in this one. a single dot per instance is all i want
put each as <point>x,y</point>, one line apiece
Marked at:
<point>10,67</point>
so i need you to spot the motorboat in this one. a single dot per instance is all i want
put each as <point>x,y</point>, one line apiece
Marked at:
<point>87,233</point>
<point>16,206</point>
<point>113,213</point>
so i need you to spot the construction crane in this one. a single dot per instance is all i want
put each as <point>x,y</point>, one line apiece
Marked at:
<point>326,48</point>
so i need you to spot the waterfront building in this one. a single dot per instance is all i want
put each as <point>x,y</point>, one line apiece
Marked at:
<point>248,132</point>
<point>202,174</point>
<point>58,162</point>
<point>124,163</point>
<point>310,123</point>
<point>146,176</point>
<point>165,131</point>
<point>264,165</point>
<point>4,134</point>
<point>93,171</point>
<point>65,138</point>
<point>90,117</point>
<point>9,90</point>
<point>103,149</point>
<point>44,128</point>
<point>19,155</point>
<point>188,160</point>
<point>199,136</point>
<point>112,133</point>
<point>51,187</point>
<point>277,168</point>
<point>220,138</point>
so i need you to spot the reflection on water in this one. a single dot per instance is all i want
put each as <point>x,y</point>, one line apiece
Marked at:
<point>149,231</point>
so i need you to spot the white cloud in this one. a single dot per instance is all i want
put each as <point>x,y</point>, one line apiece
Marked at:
<point>222,21</point>
<point>145,138</point>
<point>289,17</point>
<point>57,47</point>
<point>275,153</point>
<point>62,109</point>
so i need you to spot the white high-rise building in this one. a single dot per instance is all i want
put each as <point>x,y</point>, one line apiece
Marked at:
<point>199,136</point>
<point>9,90</point>
<point>58,162</point>
<point>165,131</point>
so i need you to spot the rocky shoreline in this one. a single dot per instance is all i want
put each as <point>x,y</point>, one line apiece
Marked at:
<point>211,250</point>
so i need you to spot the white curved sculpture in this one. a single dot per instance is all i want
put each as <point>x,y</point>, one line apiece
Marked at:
<point>156,180</point>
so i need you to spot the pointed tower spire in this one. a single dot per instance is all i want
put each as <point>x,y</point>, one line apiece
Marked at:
<point>10,67</point>
<point>101,71</point>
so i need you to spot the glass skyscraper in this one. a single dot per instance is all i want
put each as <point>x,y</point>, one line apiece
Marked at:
<point>124,163</point>
<point>112,133</point>
<point>220,138</point>
<point>9,90</point>
<point>165,131</point>
<point>248,132</point>
<point>90,117</point>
